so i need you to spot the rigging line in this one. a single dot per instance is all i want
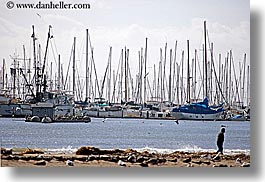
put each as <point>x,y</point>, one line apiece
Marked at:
<point>218,83</point>
<point>235,79</point>
<point>54,43</point>
<point>93,62</point>
<point>79,90</point>
<point>66,78</point>
<point>116,78</point>
<point>198,62</point>
<point>55,59</point>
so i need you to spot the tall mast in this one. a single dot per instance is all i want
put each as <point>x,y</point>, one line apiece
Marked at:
<point>125,75</point>
<point>169,79</point>
<point>109,79</point>
<point>51,82</point>
<point>14,78</point>
<point>45,55</point>
<point>174,71</point>
<point>86,63</point>
<point>3,73</point>
<point>205,60</point>
<point>188,73</point>
<point>182,80</point>
<point>24,60</point>
<point>59,72</point>
<point>74,66</point>
<point>34,60</point>
<point>220,70</point>
<point>248,84</point>
<point>243,86</point>
<point>230,79</point>
<point>145,73</point>
<point>195,72</point>
<point>161,75</point>
<point>164,73</point>
<point>121,75</point>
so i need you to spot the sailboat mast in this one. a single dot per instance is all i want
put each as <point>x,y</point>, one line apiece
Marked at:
<point>205,60</point>
<point>169,79</point>
<point>86,63</point>
<point>59,72</point>
<point>182,80</point>
<point>74,66</point>
<point>34,60</point>
<point>243,86</point>
<point>188,72</point>
<point>145,73</point>
<point>3,69</point>
<point>125,74</point>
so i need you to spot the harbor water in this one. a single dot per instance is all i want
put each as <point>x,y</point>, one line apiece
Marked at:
<point>112,133</point>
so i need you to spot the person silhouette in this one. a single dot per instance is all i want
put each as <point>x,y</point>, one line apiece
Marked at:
<point>220,140</point>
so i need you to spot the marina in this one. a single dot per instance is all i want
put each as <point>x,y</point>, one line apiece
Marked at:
<point>125,84</point>
<point>213,90</point>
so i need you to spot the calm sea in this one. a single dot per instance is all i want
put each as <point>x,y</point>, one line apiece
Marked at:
<point>153,135</point>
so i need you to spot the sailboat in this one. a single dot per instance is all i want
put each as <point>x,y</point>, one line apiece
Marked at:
<point>198,110</point>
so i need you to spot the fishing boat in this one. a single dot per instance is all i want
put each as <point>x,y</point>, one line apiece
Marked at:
<point>198,111</point>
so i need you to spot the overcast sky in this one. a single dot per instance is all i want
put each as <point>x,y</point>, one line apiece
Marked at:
<point>120,23</point>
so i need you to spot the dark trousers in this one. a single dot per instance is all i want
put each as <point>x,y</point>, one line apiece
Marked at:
<point>220,149</point>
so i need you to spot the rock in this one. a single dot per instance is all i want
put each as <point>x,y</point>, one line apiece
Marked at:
<point>187,160</point>
<point>140,159</point>
<point>223,165</point>
<point>145,153</point>
<point>12,157</point>
<point>161,160</point>
<point>88,151</point>
<point>245,164</point>
<point>206,162</point>
<point>91,158</point>
<point>189,165</point>
<point>144,164</point>
<point>33,151</point>
<point>238,160</point>
<point>47,158</point>
<point>40,163</point>
<point>220,165</point>
<point>59,158</point>
<point>104,157</point>
<point>5,151</point>
<point>114,159</point>
<point>131,158</point>
<point>206,156</point>
<point>121,163</point>
<point>127,151</point>
<point>173,160</point>
<point>69,163</point>
<point>152,161</point>
<point>197,162</point>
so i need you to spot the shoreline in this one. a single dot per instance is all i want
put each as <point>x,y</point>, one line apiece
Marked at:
<point>89,156</point>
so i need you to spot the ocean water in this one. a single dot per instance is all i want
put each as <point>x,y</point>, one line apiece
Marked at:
<point>140,134</point>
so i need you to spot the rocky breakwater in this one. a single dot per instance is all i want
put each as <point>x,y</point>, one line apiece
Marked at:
<point>89,156</point>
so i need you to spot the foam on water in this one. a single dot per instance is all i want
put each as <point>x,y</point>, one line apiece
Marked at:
<point>188,148</point>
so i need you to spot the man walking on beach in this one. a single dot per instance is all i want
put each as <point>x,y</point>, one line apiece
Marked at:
<point>220,141</point>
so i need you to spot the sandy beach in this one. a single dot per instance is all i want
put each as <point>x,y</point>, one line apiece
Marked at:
<point>94,157</point>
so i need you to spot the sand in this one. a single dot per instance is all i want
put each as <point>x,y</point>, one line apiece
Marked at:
<point>94,157</point>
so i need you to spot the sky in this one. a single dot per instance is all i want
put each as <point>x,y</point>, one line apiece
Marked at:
<point>127,23</point>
